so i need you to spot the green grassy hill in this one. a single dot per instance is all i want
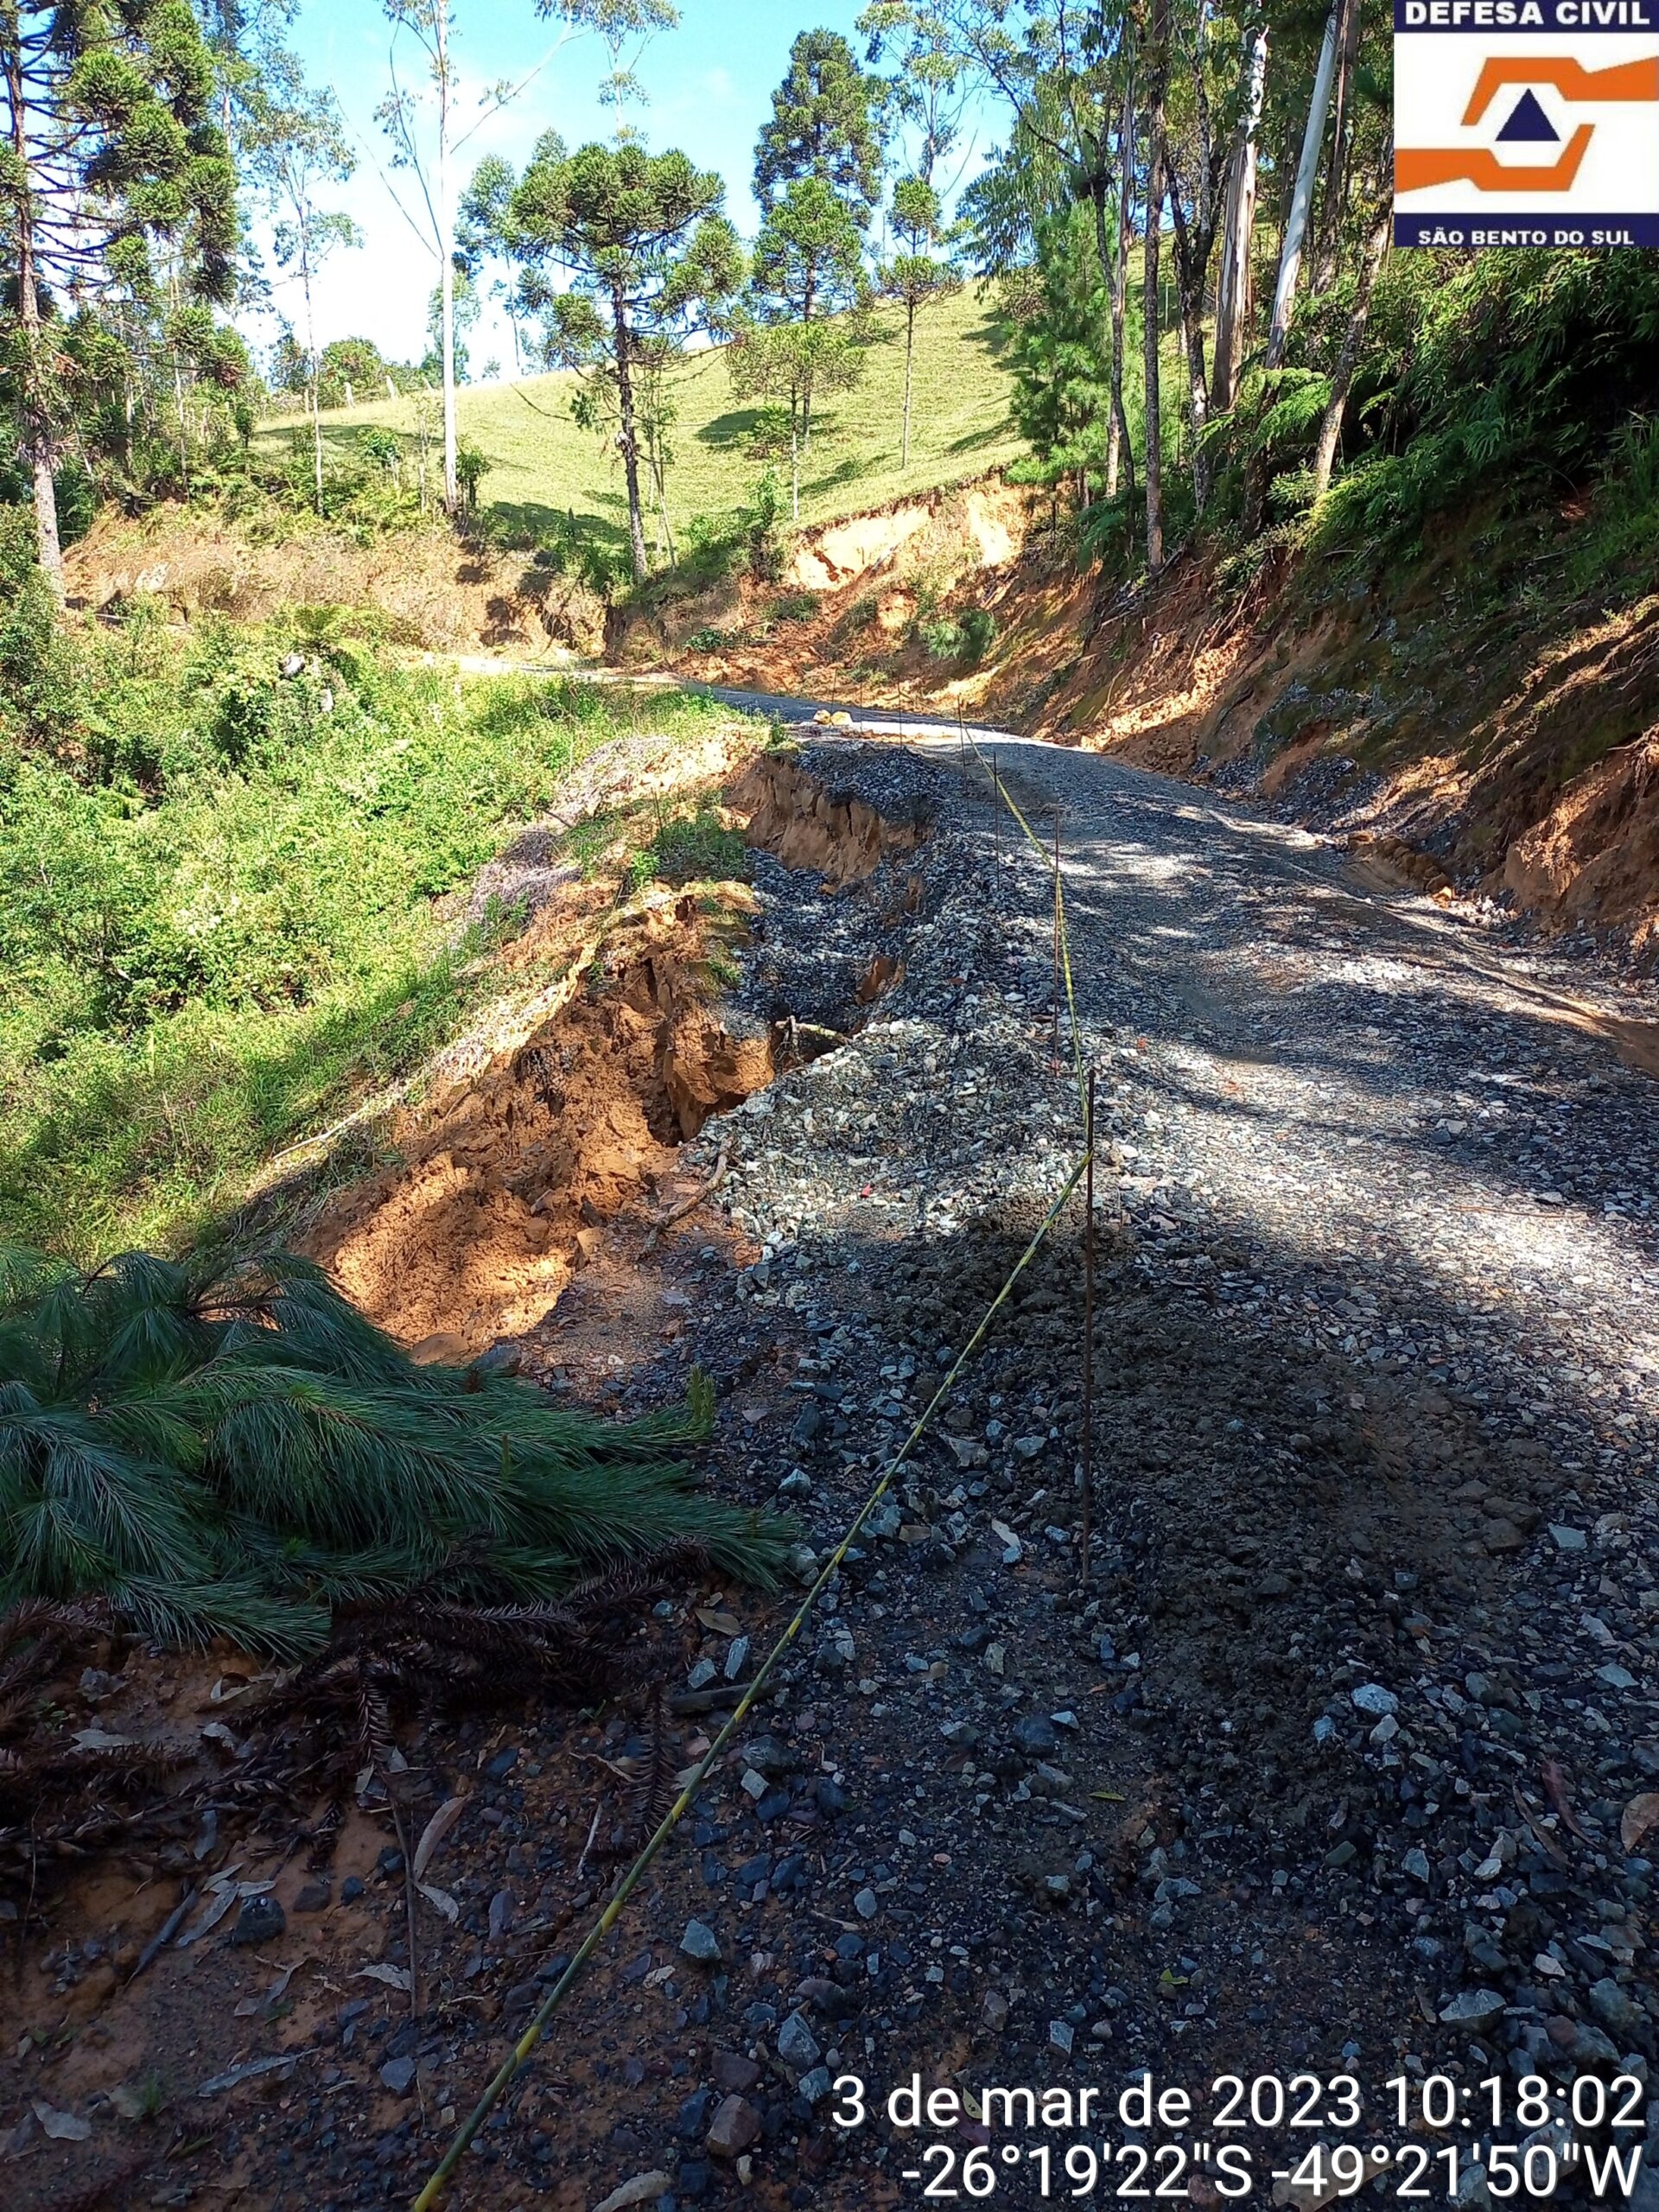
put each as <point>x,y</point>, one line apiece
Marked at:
<point>542,465</point>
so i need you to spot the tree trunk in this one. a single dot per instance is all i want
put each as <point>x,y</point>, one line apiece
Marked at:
<point>1118,449</point>
<point>1343,375</point>
<point>1154,464</point>
<point>1331,205</point>
<point>447,263</point>
<point>626,437</point>
<point>1290,252</point>
<point>38,442</point>
<point>316,374</point>
<point>1191,254</point>
<point>909,348</point>
<point>1233,290</point>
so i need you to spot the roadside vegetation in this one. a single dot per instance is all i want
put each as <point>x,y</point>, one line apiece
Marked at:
<point>231,855</point>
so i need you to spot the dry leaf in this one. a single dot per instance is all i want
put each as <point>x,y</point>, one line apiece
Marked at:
<point>717,1623</point>
<point>640,2190</point>
<point>435,1831</point>
<point>206,1921</point>
<point>61,2126</point>
<point>440,1900</point>
<point>100,1740</point>
<point>394,1977</point>
<point>251,2071</point>
<point>1639,1817</point>
<point>1557,1788</point>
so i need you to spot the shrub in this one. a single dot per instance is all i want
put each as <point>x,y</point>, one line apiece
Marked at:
<point>966,640</point>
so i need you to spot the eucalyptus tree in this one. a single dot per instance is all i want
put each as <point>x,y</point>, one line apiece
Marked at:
<point>295,147</point>
<point>423,120</point>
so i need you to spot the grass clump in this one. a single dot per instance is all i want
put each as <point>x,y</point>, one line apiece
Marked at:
<point>227,1447</point>
<point>691,849</point>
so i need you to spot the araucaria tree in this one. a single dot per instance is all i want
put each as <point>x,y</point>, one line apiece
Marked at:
<point>113,163</point>
<point>824,125</point>
<point>650,257</point>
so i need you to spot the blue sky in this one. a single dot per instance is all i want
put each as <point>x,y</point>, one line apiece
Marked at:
<point>709,84</point>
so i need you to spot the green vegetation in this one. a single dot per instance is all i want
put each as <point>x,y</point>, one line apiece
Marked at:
<point>226,918</point>
<point>544,468</point>
<point>691,849</point>
<point>227,1447</point>
<point>1496,380</point>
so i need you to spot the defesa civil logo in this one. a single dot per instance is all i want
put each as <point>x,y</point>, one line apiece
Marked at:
<point>1525,123</point>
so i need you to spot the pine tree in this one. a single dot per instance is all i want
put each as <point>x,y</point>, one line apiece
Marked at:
<point>1062,398</point>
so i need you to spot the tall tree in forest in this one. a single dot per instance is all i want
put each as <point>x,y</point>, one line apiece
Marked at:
<point>1239,223</point>
<point>1342,376</point>
<point>1193,162</point>
<point>1119,452</point>
<point>113,154</point>
<point>294,148</point>
<point>1157,82</point>
<point>407,114</point>
<point>915,276</point>
<point>242,36</point>
<point>930,86</point>
<point>651,258</point>
<point>1334,200</point>
<point>627,26</point>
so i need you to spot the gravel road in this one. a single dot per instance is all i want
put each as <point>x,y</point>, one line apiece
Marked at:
<point>1346,1759</point>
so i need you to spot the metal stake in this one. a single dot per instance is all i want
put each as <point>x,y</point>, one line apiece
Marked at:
<point>1088,1330</point>
<point>1054,1053</point>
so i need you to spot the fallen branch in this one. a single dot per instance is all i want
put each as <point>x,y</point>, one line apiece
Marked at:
<point>662,1220</point>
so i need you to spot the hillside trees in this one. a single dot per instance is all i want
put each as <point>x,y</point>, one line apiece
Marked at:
<point>1167,123</point>
<point>295,147</point>
<point>115,185</point>
<point>818,176</point>
<point>650,257</point>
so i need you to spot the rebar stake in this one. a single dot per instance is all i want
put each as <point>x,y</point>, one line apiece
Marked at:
<point>1054,1045</point>
<point>1088,1328</point>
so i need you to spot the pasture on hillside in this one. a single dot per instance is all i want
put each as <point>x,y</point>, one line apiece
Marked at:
<point>543,467</point>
